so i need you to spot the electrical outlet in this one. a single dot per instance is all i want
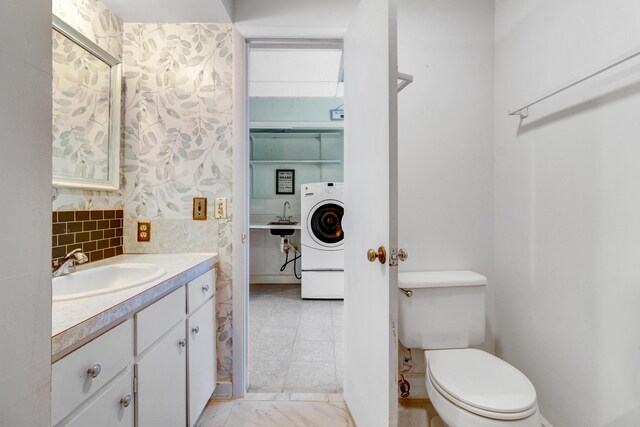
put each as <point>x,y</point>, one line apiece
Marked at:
<point>144,231</point>
<point>221,208</point>
<point>337,114</point>
<point>200,208</point>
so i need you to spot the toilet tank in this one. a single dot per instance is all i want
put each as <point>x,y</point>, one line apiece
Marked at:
<point>446,309</point>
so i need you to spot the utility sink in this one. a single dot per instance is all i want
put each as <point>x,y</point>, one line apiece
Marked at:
<point>103,280</point>
<point>282,230</point>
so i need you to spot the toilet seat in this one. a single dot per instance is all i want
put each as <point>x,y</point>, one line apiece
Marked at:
<point>481,383</point>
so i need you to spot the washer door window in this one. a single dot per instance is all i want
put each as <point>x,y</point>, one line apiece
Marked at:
<point>324,223</point>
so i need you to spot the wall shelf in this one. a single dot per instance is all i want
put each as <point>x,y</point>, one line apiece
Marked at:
<point>266,162</point>
<point>297,125</point>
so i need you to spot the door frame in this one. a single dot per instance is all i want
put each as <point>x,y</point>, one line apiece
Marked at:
<point>242,191</point>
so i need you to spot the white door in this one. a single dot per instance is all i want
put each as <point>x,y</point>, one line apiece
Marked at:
<point>370,221</point>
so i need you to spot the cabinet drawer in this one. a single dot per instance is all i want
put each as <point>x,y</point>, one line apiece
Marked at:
<point>108,408</point>
<point>72,384</point>
<point>200,290</point>
<point>155,320</point>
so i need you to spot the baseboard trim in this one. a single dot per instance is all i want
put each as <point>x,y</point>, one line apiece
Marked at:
<point>223,391</point>
<point>350,422</point>
<point>544,421</point>
<point>273,279</point>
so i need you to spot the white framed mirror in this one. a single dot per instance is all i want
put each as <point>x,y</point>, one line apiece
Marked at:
<point>86,94</point>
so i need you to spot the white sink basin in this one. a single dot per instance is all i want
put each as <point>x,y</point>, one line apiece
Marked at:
<point>103,280</point>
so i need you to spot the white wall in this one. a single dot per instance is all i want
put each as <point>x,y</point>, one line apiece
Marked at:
<point>567,202</point>
<point>25,216</point>
<point>446,137</point>
<point>300,18</point>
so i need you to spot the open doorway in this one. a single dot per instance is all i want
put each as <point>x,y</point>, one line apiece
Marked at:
<point>295,175</point>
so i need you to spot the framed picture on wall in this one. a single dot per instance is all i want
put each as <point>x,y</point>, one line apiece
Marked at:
<point>285,181</point>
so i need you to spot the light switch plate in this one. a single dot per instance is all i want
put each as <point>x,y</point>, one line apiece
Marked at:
<point>144,231</point>
<point>200,208</point>
<point>221,208</point>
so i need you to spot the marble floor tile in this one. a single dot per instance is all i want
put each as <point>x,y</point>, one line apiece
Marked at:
<point>318,377</point>
<point>277,333</point>
<point>278,319</point>
<point>215,413</point>
<point>320,307</point>
<point>281,316</point>
<point>287,414</point>
<point>267,396</point>
<point>317,397</point>
<point>260,311</point>
<point>314,332</point>
<point>266,349</point>
<point>315,318</point>
<point>313,351</point>
<point>418,413</point>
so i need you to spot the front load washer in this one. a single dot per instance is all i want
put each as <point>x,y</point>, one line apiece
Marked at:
<point>322,238</point>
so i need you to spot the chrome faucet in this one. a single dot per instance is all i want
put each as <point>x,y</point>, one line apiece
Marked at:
<point>68,263</point>
<point>284,217</point>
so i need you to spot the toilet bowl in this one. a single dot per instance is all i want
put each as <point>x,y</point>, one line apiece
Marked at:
<point>444,314</point>
<point>472,388</point>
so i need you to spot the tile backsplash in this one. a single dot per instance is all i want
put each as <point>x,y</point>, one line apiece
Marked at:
<point>98,233</point>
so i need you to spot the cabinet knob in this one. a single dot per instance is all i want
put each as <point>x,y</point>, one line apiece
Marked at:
<point>205,288</point>
<point>196,329</point>
<point>95,371</point>
<point>182,343</point>
<point>126,401</point>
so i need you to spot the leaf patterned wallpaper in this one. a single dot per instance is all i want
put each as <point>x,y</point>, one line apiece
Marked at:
<point>93,19</point>
<point>177,101</point>
<point>177,145</point>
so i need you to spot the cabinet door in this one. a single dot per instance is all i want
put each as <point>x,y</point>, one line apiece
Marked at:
<point>202,358</point>
<point>162,382</point>
<point>112,407</point>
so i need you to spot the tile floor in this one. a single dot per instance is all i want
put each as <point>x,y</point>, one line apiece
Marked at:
<point>295,345</point>
<point>291,410</point>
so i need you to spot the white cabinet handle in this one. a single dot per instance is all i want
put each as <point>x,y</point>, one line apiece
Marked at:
<point>95,371</point>
<point>182,343</point>
<point>126,401</point>
<point>196,329</point>
<point>205,288</point>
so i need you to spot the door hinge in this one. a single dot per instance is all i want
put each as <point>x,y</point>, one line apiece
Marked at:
<point>244,237</point>
<point>135,385</point>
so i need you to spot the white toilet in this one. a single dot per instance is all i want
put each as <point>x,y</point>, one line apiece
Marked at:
<point>443,312</point>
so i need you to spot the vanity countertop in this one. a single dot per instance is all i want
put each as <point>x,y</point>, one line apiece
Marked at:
<point>261,221</point>
<point>76,322</point>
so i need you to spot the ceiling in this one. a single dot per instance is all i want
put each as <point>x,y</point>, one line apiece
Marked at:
<point>281,72</point>
<point>218,11</point>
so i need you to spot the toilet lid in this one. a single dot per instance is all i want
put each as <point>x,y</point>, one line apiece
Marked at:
<point>482,383</point>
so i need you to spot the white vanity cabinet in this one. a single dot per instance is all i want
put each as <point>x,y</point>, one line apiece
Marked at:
<point>153,370</point>
<point>186,356</point>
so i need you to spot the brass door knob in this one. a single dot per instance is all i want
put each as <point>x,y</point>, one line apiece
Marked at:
<point>381,255</point>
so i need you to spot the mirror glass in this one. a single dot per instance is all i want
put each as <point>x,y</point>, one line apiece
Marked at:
<point>86,125</point>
